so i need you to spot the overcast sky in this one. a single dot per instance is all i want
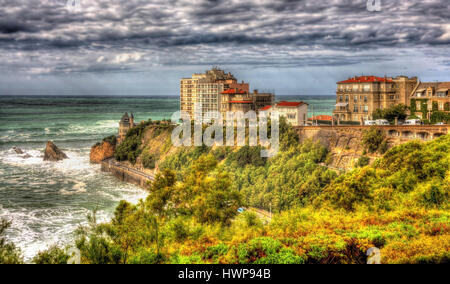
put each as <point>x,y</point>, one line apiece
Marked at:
<point>136,47</point>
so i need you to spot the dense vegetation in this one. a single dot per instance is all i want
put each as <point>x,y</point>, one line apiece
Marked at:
<point>131,148</point>
<point>374,140</point>
<point>398,111</point>
<point>399,203</point>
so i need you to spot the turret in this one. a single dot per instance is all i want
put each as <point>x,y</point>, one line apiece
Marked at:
<point>125,124</point>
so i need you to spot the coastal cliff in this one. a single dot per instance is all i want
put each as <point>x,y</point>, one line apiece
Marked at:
<point>101,152</point>
<point>136,159</point>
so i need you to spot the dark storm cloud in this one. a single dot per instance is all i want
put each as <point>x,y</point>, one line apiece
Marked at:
<point>134,34</point>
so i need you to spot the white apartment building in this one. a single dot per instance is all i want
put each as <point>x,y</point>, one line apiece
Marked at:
<point>296,113</point>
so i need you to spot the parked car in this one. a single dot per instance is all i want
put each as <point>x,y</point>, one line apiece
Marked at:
<point>382,122</point>
<point>370,122</point>
<point>413,122</point>
<point>440,123</point>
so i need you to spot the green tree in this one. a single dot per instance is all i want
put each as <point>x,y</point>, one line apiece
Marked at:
<point>395,111</point>
<point>439,116</point>
<point>373,138</point>
<point>248,156</point>
<point>53,255</point>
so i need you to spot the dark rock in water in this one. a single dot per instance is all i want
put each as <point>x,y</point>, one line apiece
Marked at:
<point>18,150</point>
<point>26,156</point>
<point>53,154</point>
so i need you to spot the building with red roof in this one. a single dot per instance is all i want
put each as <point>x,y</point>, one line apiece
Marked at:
<point>321,118</point>
<point>359,97</point>
<point>296,113</point>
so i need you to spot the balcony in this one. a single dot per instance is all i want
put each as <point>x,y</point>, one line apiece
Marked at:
<point>341,108</point>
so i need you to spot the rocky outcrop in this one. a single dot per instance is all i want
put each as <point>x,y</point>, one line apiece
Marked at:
<point>53,154</point>
<point>101,152</point>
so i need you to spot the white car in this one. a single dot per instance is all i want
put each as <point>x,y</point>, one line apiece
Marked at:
<point>413,122</point>
<point>382,122</point>
<point>440,123</point>
<point>370,122</point>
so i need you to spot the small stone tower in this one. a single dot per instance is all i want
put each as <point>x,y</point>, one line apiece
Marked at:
<point>125,124</point>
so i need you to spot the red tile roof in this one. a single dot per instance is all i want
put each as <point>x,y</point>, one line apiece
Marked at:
<point>365,79</point>
<point>234,91</point>
<point>289,104</point>
<point>265,108</point>
<point>241,102</point>
<point>321,117</point>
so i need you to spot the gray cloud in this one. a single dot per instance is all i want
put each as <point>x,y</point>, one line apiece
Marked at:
<point>110,35</point>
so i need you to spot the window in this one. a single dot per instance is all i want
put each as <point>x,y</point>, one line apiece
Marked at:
<point>355,108</point>
<point>418,106</point>
<point>366,108</point>
<point>291,116</point>
<point>366,87</point>
<point>355,99</point>
<point>441,105</point>
<point>392,97</point>
<point>346,98</point>
<point>355,87</point>
<point>340,98</point>
<point>365,99</point>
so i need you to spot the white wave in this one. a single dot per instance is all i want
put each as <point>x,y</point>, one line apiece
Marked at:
<point>34,230</point>
<point>77,188</point>
<point>101,126</point>
<point>56,227</point>
<point>78,160</point>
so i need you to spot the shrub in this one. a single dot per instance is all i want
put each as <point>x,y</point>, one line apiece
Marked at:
<point>363,161</point>
<point>396,111</point>
<point>111,140</point>
<point>384,147</point>
<point>215,252</point>
<point>148,160</point>
<point>53,255</point>
<point>251,219</point>
<point>373,138</point>
<point>147,256</point>
<point>9,253</point>
<point>129,149</point>
<point>248,156</point>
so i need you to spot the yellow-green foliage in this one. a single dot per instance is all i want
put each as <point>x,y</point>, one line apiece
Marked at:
<point>399,204</point>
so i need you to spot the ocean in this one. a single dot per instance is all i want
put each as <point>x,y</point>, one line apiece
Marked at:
<point>47,201</point>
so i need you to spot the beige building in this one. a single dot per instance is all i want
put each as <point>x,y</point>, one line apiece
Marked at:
<point>428,97</point>
<point>296,113</point>
<point>239,100</point>
<point>218,91</point>
<point>357,98</point>
<point>205,89</point>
